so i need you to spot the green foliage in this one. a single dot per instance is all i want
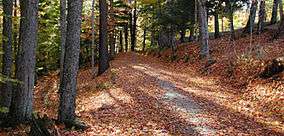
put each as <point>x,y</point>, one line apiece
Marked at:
<point>4,110</point>
<point>4,79</point>
<point>49,37</point>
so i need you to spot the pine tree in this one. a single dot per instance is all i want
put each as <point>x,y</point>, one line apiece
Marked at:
<point>103,50</point>
<point>22,100</point>
<point>68,84</point>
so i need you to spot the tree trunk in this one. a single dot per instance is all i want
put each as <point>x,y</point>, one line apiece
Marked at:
<point>144,39</point>
<point>93,37</point>
<point>191,35</point>
<point>182,35</point>
<point>216,24</point>
<point>22,100</point>
<point>62,34</point>
<point>120,41</point>
<point>111,45</point>
<point>15,33</point>
<point>111,34</point>
<point>262,14</point>
<point>131,30</point>
<point>6,88</point>
<point>280,29</point>
<point>133,34</point>
<point>152,38</point>
<point>172,41</point>
<point>126,37</point>
<point>114,43</point>
<point>232,29</point>
<point>196,21</point>
<point>222,24</point>
<point>274,12</point>
<point>250,24</point>
<point>68,84</point>
<point>103,49</point>
<point>204,53</point>
<point>281,9</point>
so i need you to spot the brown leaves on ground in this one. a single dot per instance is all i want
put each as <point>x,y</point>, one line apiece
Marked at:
<point>145,95</point>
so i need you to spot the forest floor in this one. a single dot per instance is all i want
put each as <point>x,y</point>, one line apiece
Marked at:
<point>149,95</point>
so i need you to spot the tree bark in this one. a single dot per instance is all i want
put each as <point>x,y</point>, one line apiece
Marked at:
<point>62,34</point>
<point>204,53</point>
<point>281,9</point>
<point>144,39</point>
<point>191,36</point>
<point>114,42</point>
<point>7,33</point>
<point>111,45</point>
<point>232,29</point>
<point>262,15</point>
<point>68,84</point>
<point>280,29</point>
<point>131,29</point>
<point>172,41</point>
<point>111,34</point>
<point>182,35</point>
<point>15,33</point>
<point>222,24</point>
<point>126,37</point>
<point>216,24</point>
<point>21,106</point>
<point>103,49</point>
<point>152,38</point>
<point>120,41</point>
<point>274,12</point>
<point>133,34</point>
<point>250,24</point>
<point>93,37</point>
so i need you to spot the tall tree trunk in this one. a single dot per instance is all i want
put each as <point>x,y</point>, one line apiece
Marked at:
<point>280,28</point>
<point>126,37</point>
<point>182,35</point>
<point>262,14</point>
<point>172,41</point>
<point>232,29</point>
<point>68,84</point>
<point>196,20</point>
<point>274,12</point>
<point>7,33</point>
<point>15,33</point>
<point>120,41</point>
<point>204,53</point>
<point>152,38</point>
<point>62,34</point>
<point>111,45</point>
<point>111,34</point>
<point>103,49</point>
<point>216,24</point>
<point>131,29</point>
<point>191,36</point>
<point>22,100</point>
<point>144,39</point>
<point>114,42</point>
<point>281,9</point>
<point>222,24</point>
<point>93,37</point>
<point>133,34</point>
<point>250,24</point>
